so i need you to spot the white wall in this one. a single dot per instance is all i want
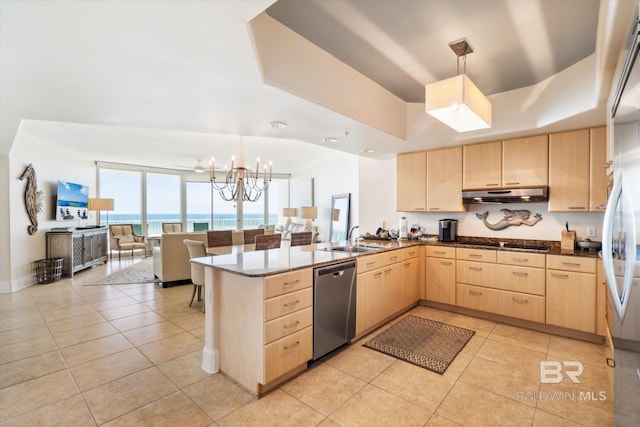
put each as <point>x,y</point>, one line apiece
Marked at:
<point>51,164</point>
<point>377,204</point>
<point>334,173</point>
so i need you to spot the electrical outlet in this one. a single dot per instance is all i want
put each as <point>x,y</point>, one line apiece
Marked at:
<point>591,232</point>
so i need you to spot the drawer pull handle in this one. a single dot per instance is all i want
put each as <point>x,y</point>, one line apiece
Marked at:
<point>393,258</point>
<point>512,183</point>
<point>560,276</point>
<point>577,207</point>
<point>475,256</point>
<point>475,268</point>
<point>446,262</point>
<point>439,252</point>
<point>291,283</point>
<point>412,253</point>
<point>571,264</point>
<point>491,185</point>
<point>475,293</point>
<point>418,209</point>
<point>434,209</point>
<point>520,301</point>
<point>388,271</point>
<point>520,260</point>
<point>369,264</point>
<point>289,347</point>
<point>407,264</point>
<point>611,362</point>
<point>377,274</point>
<point>292,304</point>
<point>515,273</point>
<point>293,325</point>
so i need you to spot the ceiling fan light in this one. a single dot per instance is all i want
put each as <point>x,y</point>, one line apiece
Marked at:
<point>458,103</point>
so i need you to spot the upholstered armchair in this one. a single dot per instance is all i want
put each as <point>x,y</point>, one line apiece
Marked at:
<point>171,227</point>
<point>122,238</point>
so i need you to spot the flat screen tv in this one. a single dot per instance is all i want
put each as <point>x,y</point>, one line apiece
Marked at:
<point>73,201</point>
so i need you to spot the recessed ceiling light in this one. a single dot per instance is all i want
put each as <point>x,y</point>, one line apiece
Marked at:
<point>277,125</point>
<point>331,139</point>
<point>367,150</point>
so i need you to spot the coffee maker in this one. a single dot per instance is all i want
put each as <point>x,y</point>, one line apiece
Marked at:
<point>447,230</point>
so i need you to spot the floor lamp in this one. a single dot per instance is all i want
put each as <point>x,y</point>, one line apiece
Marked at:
<point>99,205</point>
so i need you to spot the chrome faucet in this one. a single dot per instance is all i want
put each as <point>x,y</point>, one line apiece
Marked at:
<point>350,234</point>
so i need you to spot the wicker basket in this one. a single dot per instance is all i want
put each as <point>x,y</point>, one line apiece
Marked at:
<point>48,270</point>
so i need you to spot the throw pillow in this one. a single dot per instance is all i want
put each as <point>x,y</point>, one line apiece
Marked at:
<point>126,238</point>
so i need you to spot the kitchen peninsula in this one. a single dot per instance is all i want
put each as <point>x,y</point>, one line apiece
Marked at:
<point>259,304</point>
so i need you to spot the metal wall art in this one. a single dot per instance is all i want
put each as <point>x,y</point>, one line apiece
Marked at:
<point>33,198</point>
<point>511,217</point>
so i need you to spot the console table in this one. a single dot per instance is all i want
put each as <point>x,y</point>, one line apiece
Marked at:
<point>80,248</point>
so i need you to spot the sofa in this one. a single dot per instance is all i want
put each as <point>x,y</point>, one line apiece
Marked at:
<point>295,227</point>
<point>171,259</point>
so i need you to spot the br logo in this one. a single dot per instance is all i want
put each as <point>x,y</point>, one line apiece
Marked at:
<point>551,372</point>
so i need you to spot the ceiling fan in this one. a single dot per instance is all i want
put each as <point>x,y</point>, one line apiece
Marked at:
<point>198,168</point>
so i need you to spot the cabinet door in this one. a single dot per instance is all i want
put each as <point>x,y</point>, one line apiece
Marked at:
<point>598,172</point>
<point>569,171</point>
<point>410,282</point>
<point>411,182</point>
<point>369,300</point>
<point>571,300</point>
<point>393,290</point>
<point>525,162</point>
<point>441,280</point>
<point>444,180</point>
<point>601,300</point>
<point>482,166</point>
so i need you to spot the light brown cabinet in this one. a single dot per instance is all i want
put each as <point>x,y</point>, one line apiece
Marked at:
<point>598,171</point>
<point>569,171</point>
<point>482,166</point>
<point>601,299</point>
<point>440,274</point>
<point>512,163</point>
<point>571,292</point>
<point>369,298</point>
<point>525,162</point>
<point>411,182</point>
<point>444,180</point>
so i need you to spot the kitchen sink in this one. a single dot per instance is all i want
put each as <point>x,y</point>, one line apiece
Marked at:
<point>353,249</point>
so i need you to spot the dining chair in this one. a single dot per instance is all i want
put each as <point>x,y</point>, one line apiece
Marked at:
<point>196,250</point>
<point>218,238</point>
<point>250,235</point>
<point>300,238</point>
<point>268,241</point>
<point>200,226</point>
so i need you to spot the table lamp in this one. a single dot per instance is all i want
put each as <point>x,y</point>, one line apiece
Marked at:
<point>309,213</point>
<point>288,213</point>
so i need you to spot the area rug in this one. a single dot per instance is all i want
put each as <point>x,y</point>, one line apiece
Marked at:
<point>141,272</point>
<point>423,342</point>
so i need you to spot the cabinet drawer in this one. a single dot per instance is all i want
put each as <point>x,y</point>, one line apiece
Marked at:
<point>524,259</point>
<point>287,353</point>
<point>571,263</point>
<point>474,297</point>
<point>441,252</point>
<point>286,325</point>
<point>475,273</point>
<point>288,282</point>
<point>391,257</point>
<point>288,303</point>
<point>520,279</point>
<point>521,306</point>
<point>483,255</point>
<point>409,253</point>
<point>369,262</point>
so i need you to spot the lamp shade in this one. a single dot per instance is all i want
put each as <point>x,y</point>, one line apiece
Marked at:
<point>458,103</point>
<point>100,204</point>
<point>309,212</point>
<point>289,212</point>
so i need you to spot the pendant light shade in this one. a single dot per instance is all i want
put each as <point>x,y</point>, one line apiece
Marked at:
<point>457,101</point>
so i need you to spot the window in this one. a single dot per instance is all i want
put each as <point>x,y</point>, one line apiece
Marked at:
<point>163,201</point>
<point>124,187</point>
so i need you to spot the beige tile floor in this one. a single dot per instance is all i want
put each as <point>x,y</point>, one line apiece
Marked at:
<point>128,355</point>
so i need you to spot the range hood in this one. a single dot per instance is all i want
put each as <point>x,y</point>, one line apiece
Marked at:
<point>507,195</point>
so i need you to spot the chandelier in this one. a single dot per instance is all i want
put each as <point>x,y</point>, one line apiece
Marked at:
<point>240,182</point>
<point>456,101</point>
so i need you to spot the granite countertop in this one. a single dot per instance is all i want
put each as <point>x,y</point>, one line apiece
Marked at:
<point>248,262</point>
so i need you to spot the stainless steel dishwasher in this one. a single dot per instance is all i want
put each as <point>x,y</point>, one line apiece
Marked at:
<point>334,307</point>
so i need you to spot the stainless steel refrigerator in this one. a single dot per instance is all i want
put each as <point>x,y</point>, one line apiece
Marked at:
<point>621,237</point>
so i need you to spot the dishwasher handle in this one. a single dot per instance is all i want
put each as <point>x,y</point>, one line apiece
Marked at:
<point>335,269</point>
